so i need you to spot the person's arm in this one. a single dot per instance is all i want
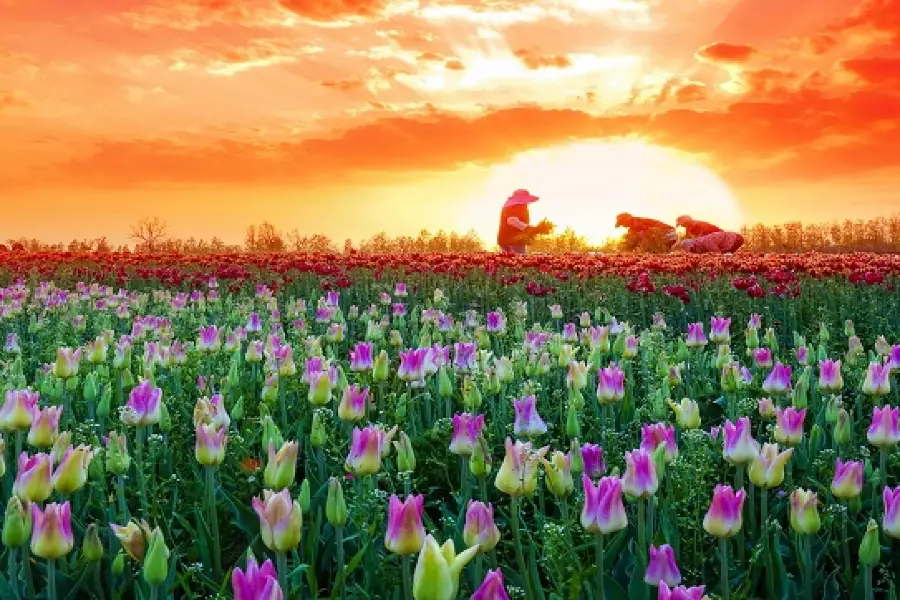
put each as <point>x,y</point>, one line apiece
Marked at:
<point>517,223</point>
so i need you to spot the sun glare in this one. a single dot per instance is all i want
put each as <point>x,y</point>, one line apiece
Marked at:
<point>585,185</point>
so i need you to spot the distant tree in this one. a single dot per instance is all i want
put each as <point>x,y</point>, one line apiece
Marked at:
<point>149,234</point>
<point>264,237</point>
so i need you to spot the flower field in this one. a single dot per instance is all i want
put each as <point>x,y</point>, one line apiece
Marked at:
<point>438,427</point>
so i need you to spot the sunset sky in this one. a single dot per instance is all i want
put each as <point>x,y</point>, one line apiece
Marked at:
<point>347,117</point>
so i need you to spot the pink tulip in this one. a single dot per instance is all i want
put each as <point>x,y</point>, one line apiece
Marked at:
<point>466,430</point>
<point>610,384</point>
<point>662,567</point>
<point>680,592</point>
<point>659,433</point>
<point>51,536</point>
<point>17,411</point>
<point>893,360</point>
<point>891,521</point>
<point>719,330</point>
<point>405,531</point>
<point>640,479</point>
<point>144,406</point>
<point>789,425</point>
<point>492,587</point>
<point>44,426</point>
<point>361,357</point>
<point>696,338</point>
<point>884,432</point>
<point>725,515</point>
<point>766,408</point>
<point>762,357</point>
<point>210,339</point>
<point>528,422</point>
<point>353,403</point>
<point>67,362</point>
<point>210,441</point>
<point>366,449</point>
<point>848,479</point>
<point>603,512</point>
<point>480,529</point>
<point>740,448</point>
<point>755,321</point>
<point>592,457</point>
<point>878,380</point>
<point>779,380</point>
<point>496,322</point>
<point>464,354</point>
<point>257,583</point>
<point>34,477</point>
<point>412,365</point>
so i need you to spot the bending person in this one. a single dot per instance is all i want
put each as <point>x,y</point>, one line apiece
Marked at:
<point>694,228</point>
<point>646,234</point>
<point>515,223</point>
<point>719,242</point>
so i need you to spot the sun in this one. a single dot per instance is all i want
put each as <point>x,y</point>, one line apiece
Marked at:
<point>585,185</point>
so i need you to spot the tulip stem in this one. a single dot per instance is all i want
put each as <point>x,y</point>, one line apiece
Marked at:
<point>867,583</point>
<point>845,544</point>
<point>739,485</point>
<point>13,578</point>
<point>29,579</point>
<point>282,567</point>
<point>641,541</point>
<point>723,565</point>
<point>139,467</point>
<point>213,518</point>
<point>51,579</point>
<point>120,497</point>
<point>764,527</point>
<point>808,566</point>
<point>601,560</point>
<point>517,540</point>
<point>464,480</point>
<point>406,559</point>
<point>339,542</point>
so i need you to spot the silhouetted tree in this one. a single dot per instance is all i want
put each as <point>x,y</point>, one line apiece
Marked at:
<point>149,233</point>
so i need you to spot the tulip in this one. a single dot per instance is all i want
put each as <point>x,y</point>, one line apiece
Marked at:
<point>17,522</point>
<point>406,458</point>
<point>437,570</point>
<point>144,405</point>
<point>878,380</point>
<point>209,448</point>
<point>412,365</point>
<point>789,425</point>
<point>492,587</point>
<point>884,432</point>
<point>335,505</point>
<point>44,426</point>
<point>740,448</point>
<point>640,479</point>
<point>257,583</point>
<point>610,384</point>
<point>843,429</point>
<point>891,522</point>
<point>495,322</point>
<point>52,535</point>
<point>652,436</point>
<point>353,404</point>
<point>72,472</point>
<point>848,479</point>
<point>724,517</point>
<point>592,463</point>
<point>33,478</point>
<point>766,408</point>
<point>405,531</point>
<point>280,520</point>
<point>696,338</point>
<point>603,512</point>
<point>762,357</point>
<point>804,515</point>
<point>680,592</point>
<point>767,468</point>
<point>518,473</point>
<point>687,413</point>
<point>576,378</point>
<point>662,567</point>
<point>210,339</point>
<point>133,538</point>
<point>321,384</point>
<point>719,330</point>
<point>558,475</point>
<point>870,548</point>
<point>17,412</point>
<point>778,381</point>
<point>464,355</point>
<point>366,448</point>
<point>211,411</point>
<point>67,362</point>
<point>481,462</point>
<point>528,422</point>
<point>480,529</point>
<point>281,466</point>
<point>156,562</point>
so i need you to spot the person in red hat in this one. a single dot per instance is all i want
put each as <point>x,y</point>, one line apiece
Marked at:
<point>694,228</point>
<point>646,234</point>
<point>515,223</point>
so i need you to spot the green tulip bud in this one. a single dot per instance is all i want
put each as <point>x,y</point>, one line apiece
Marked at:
<point>381,368</point>
<point>406,458</point>
<point>843,429</point>
<point>335,506</point>
<point>165,420</point>
<point>127,379</point>
<point>92,548</point>
<point>480,462</point>
<point>118,564</point>
<point>472,398</point>
<point>752,338</point>
<point>870,548</point>
<point>573,428</point>
<point>305,496</point>
<point>824,335</point>
<point>237,411</point>
<point>17,522</point>
<point>156,561</point>
<point>270,435</point>
<point>91,386</point>
<point>576,461</point>
<point>105,405</point>
<point>445,386</point>
<point>72,384</point>
<point>659,457</point>
<point>317,435</point>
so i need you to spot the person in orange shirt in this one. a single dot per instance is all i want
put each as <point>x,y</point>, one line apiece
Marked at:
<point>694,228</point>
<point>717,242</point>
<point>646,234</point>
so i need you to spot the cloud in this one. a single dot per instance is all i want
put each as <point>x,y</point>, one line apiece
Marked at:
<point>722,52</point>
<point>13,99</point>
<point>536,61</point>
<point>877,71</point>
<point>334,10</point>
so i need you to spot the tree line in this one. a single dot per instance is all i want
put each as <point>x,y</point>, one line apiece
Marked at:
<point>151,235</point>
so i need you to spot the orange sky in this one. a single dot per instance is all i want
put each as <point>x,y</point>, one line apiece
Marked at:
<point>352,116</point>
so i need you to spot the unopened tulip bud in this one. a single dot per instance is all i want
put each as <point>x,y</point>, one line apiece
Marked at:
<point>305,496</point>
<point>480,462</point>
<point>804,514</point>
<point>317,435</point>
<point>17,522</point>
<point>271,436</point>
<point>156,562</point>
<point>165,420</point>
<point>381,368</point>
<point>573,427</point>
<point>576,461</point>
<point>237,411</point>
<point>335,506</point>
<point>118,564</point>
<point>92,547</point>
<point>843,429</point>
<point>406,458</point>
<point>870,548</point>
